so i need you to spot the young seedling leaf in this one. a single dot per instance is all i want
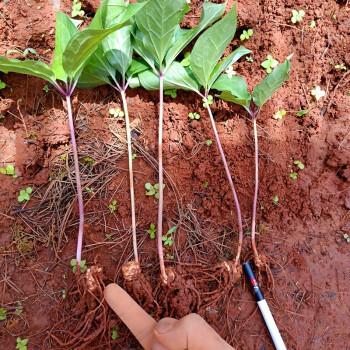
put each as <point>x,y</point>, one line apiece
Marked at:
<point>34,68</point>
<point>210,14</point>
<point>211,45</point>
<point>272,82</point>
<point>226,62</point>
<point>158,21</point>
<point>233,89</point>
<point>176,77</point>
<point>65,30</point>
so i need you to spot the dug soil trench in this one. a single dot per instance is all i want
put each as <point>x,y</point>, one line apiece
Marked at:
<point>301,233</point>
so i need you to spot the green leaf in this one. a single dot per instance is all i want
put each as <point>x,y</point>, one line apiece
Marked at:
<point>233,89</point>
<point>137,66</point>
<point>176,77</point>
<point>211,12</point>
<point>65,30</point>
<point>272,82</point>
<point>2,85</point>
<point>211,45</point>
<point>33,68</point>
<point>226,62</point>
<point>158,21</point>
<point>83,44</point>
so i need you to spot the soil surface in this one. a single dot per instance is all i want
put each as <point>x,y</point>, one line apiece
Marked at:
<point>302,234</point>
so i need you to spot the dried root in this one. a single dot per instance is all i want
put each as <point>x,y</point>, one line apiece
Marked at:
<point>263,271</point>
<point>137,285</point>
<point>87,320</point>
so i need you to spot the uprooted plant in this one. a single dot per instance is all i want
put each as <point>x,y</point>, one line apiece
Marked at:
<point>112,64</point>
<point>72,50</point>
<point>235,90</point>
<point>158,40</point>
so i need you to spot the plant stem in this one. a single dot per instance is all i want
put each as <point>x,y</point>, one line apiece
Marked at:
<point>161,181</point>
<point>78,181</point>
<point>131,176</point>
<point>233,190</point>
<point>256,190</point>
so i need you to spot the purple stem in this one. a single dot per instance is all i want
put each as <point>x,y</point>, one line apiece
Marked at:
<point>233,190</point>
<point>256,190</point>
<point>131,176</point>
<point>161,181</point>
<point>77,176</point>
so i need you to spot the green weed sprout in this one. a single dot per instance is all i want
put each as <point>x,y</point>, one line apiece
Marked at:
<point>8,170</point>
<point>3,314</point>
<point>76,9</point>
<point>2,85</point>
<point>194,116</point>
<point>297,16</point>
<point>168,237</point>
<point>24,195</point>
<point>153,190</point>
<point>152,231</point>
<point>113,206</point>
<point>21,344</point>
<point>246,34</point>
<point>269,64</point>
<point>82,265</point>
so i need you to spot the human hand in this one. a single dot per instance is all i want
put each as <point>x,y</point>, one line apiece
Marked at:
<point>189,333</point>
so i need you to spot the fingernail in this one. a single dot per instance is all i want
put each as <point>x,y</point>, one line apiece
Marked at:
<point>164,326</point>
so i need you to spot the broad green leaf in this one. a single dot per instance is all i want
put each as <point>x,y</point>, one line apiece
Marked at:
<point>34,68</point>
<point>158,21</point>
<point>272,82</point>
<point>233,89</point>
<point>226,62</point>
<point>211,13</point>
<point>176,77</point>
<point>83,44</point>
<point>211,45</point>
<point>137,66</point>
<point>116,46</point>
<point>65,29</point>
<point>139,47</point>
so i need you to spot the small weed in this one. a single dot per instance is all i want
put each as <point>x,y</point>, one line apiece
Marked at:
<point>76,9</point>
<point>64,294</point>
<point>340,67</point>
<point>19,309</point>
<point>89,190</point>
<point>113,206</point>
<point>114,334</point>
<point>116,113</point>
<point>21,344</point>
<point>28,51</point>
<point>74,265</point>
<point>302,113</point>
<point>46,88</point>
<point>171,92</point>
<point>280,114</point>
<point>275,200</point>
<point>299,164</point>
<point>194,116</point>
<point>152,190</point>
<point>152,231</point>
<point>187,59</point>
<point>346,237</point>
<point>318,93</point>
<point>208,142</point>
<point>208,101</point>
<point>249,59</point>
<point>24,195</point>
<point>8,170</point>
<point>297,16</point>
<point>134,156</point>
<point>293,175</point>
<point>89,161</point>
<point>246,34</point>
<point>269,64</point>
<point>230,72</point>
<point>168,237</point>
<point>3,314</point>
<point>312,24</point>
<point>2,85</point>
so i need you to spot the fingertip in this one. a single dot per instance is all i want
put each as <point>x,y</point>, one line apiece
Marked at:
<point>111,291</point>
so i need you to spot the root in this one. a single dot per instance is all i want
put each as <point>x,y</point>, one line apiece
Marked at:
<point>137,285</point>
<point>264,272</point>
<point>87,321</point>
